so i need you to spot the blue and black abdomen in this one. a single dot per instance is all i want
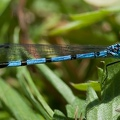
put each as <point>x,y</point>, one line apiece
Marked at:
<point>12,55</point>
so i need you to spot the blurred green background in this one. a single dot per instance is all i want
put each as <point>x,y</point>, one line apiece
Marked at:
<point>83,22</point>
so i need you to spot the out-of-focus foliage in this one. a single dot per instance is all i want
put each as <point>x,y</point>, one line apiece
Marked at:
<point>53,91</point>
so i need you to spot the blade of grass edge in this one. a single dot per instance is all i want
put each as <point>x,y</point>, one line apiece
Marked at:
<point>59,85</point>
<point>16,105</point>
<point>37,99</point>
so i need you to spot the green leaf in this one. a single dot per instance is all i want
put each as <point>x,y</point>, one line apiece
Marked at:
<point>84,86</point>
<point>106,107</point>
<point>76,109</point>
<point>93,16</point>
<point>33,94</point>
<point>58,84</point>
<point>58,115</point>
<point>84,20</point>
<point>16,104</point>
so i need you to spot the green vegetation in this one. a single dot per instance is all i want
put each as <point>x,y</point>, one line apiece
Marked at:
<point>67,90</point>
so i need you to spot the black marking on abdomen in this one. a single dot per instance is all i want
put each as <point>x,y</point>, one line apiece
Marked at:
<point>48,60</point>
<point>73,57</point>
<point>5,64</point>
<point>23,63</point>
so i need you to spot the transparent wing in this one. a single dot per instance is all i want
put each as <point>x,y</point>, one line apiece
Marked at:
<point>10,52</point>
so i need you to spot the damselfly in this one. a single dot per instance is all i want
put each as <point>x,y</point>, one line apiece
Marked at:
<point>13,55</point>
